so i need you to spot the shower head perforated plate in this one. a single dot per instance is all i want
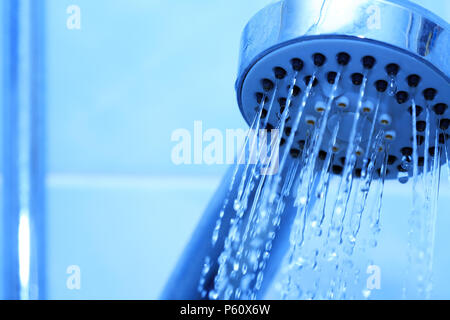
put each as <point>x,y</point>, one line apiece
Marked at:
<point>394,115</point>
<point>396,76</point>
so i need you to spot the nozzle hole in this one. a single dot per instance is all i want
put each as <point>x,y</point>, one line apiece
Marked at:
<point>392,69</point>
<point>263,113</point>
<point>421,161</point>
<point>297,64</point>
<point>267,84</point>
<point>407,151</point>
<point>421,126</point>
<point>357,79</point>
<point>260,96</point>
<point>381,85</point>
<point>337,170</point>
<point>420,140</point>
<point>343,58</point>
<point>432,151</point>
<point>444,124</point>
<point>280,73</point>
<point>402,97</point>
<point>288,131</point>
<point>413,80</point>
<point>301,144</point>
<point>307,79</point>
<point>419,110</point>
<point>440,108</point>
<point>331,77</point>
<point>295,90</point>
<point>295,153</point>
<point>322,155</point>
<point>392,159</point>
<point>368,62</point>
<point>430,94</point>
<point>319,59</point>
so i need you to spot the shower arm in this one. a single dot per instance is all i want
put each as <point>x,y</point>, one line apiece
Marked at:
<point>184,282</point>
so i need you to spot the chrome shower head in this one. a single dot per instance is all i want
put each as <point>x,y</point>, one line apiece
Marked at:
<point>335,77</point>
<point>386,62</point>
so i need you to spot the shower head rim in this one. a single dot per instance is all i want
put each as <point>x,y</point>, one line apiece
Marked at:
<point>241,79</point>
<point>403,27</point>
<point>419,9</point>
<point>402,3</point>
<point>408,35</point>
<point>331,48</point>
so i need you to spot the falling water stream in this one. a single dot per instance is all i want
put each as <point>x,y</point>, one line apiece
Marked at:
<point>337,211</point>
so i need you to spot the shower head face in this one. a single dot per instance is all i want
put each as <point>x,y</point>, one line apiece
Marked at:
<point>398,80</point>
<point>413,80</point>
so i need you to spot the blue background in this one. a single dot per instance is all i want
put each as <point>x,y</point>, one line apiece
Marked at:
<point>117,89</point>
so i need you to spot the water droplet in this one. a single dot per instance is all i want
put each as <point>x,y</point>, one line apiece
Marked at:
<point>237,205</point>
<point>244,269</point>
<point>332,256</point>
<point>303,200</point>
<point>300,262</point>
<point>403,177</point>
<point>213,295</point>
<point>392,88</point>
<point>373,243</point>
